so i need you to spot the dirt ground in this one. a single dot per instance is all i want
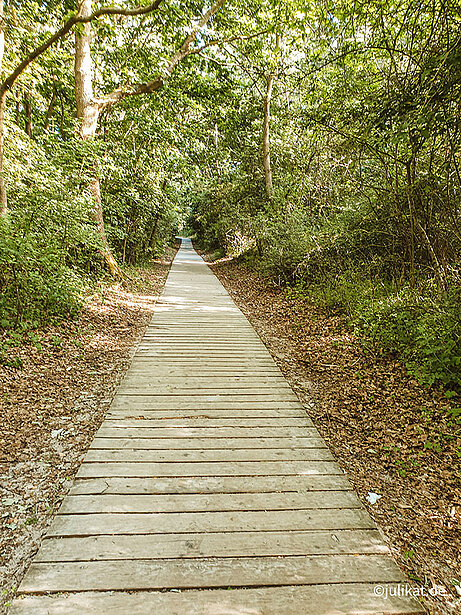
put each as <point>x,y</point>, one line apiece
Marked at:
<point>393,437</point>
<point>52,406</point>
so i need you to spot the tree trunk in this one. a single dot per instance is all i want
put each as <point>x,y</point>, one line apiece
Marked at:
<point>88,114</point>
<point>28,115</point>
<point>50,109</point>
<point>2,33</point>
<point>266,137</point>
<point>270,78</point>
<point>3,196</point>
<point>215,140</point>
<point>154,231</point>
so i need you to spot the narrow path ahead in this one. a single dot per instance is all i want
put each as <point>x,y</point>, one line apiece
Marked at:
<point>207,490</point>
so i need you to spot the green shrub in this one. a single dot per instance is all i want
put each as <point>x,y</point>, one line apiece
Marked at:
<point>421,329</point>
<point>285,243</point>
<point>48,241</point>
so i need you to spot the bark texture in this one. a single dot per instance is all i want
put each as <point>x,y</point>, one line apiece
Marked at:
<point>3,196</point>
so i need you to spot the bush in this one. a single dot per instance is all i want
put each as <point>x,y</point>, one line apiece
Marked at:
<point>421,329</point>
<point>35,284</point>
<point>48,241</point>
<point>285,243</point>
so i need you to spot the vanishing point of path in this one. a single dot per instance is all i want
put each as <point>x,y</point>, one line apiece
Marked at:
<point>207,490</point>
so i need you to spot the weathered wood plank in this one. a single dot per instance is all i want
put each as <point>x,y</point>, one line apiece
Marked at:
<point>208,455</point>
<point>216,371</point>
<point>172,383</point>
<point>211,572</point>
<point>138,440</point>
<point>205,436</point>
<point>237,402</point>
<point>207,412</point>
<point>217,391</point>
<point>159,523</point>
<point>204,421</point>
<point>209,386</point>
<point>84,504</point>
<point>210,484</point>
<point>226,544</point>
<point>322,599</point>
<point>211,397</point>
<point>237,468</point>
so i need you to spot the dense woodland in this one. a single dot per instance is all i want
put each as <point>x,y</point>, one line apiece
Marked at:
<point>318,142</point>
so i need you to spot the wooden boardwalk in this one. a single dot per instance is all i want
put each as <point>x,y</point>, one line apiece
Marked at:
<point>207,490</point>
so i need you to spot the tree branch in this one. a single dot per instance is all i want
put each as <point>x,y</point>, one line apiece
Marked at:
<point>156,84</point>
<point>65,29</point>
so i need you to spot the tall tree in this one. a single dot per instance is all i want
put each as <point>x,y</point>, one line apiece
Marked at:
<point>10,80</point>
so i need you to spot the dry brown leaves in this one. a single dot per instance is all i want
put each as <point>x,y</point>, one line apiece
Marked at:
<point>52,406</point>
<point>379,422</point>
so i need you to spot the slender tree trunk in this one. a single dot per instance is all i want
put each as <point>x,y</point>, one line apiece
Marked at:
<point>50,109</point>
<point>3,195</point>
<point>266,137</point>
<point>216,140</point>
<point>270,78</point>
<point>88,114</point>
<point>154,230</point>
<point>28,115</point>
<point>2,33</point>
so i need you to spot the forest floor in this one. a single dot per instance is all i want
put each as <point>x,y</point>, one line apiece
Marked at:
<point>393,437</point>
<point>52,405</point>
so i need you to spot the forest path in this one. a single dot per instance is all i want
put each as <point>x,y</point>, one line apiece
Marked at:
<point>207,489</point>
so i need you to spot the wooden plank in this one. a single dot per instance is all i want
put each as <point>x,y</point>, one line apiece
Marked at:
<point>202,344</point>
<point>215,364</point>
<point>160,523</point>
<point>206,365</point>
<point>207,573</point>
<point>146,351</point>
<point>173,382</point>
<point>321,599</point>
<point>205,421</point>
<point>204,386</point>
<point>209,455</point>
<point>236,402</point>
<point>143,441</point>
<point>205,436</point>
<point>238,468</point>
<point>168,392</point>
<point>235,544</point>
<point>107,503</point>
<point>207,412</point>
<point>210,484</point>
<point>206,371</point>
<point>236,396</point>
<point>172,378</point>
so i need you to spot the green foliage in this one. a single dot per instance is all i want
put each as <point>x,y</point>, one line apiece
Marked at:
<point>285,244</point>
<point>48,243</point>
